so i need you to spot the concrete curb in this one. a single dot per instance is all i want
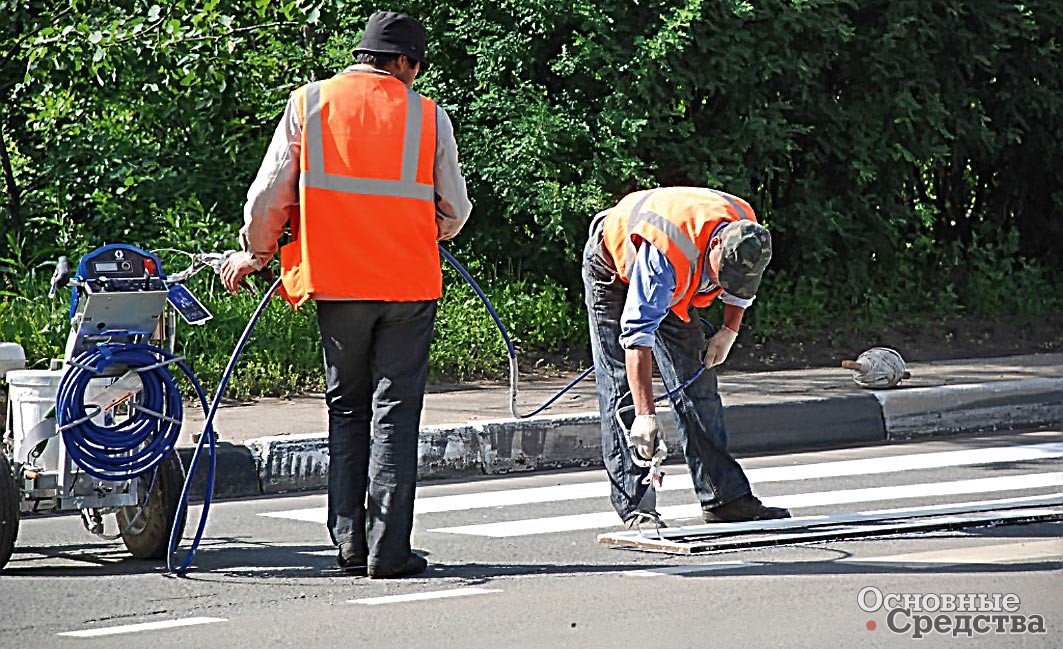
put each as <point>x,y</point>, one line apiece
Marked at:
<point>971,407</point>
<point>236,476</point>
<point>300,462</point>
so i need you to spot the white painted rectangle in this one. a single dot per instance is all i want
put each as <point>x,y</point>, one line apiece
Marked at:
<point>137,628</point>
<point>414,597</point>
<point>547,525</point>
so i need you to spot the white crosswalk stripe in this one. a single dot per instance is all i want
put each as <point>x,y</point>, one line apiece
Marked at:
<point>138,628</point>
<point>416,597</point>
<point>599,490</point>
<point>815,499</point>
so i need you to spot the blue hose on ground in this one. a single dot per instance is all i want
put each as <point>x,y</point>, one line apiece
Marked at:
<point>208,437</point>
<point>513,352</point>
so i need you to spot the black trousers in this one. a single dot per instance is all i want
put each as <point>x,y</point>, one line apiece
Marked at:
<point>376,367</point>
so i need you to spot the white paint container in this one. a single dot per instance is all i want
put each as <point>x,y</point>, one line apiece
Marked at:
<point>12,357</point>
<point>31,394</point>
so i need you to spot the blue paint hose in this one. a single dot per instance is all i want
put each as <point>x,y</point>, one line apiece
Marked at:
<point>512,352</point>
<point>209,438</point>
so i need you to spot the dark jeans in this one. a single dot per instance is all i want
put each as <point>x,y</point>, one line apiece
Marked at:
<point>376,366</point>
<point>698,411</point>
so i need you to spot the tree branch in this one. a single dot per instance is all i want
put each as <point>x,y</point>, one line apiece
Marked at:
<point>18,42</point>
<point>240,30</point>
<point>14,199</point>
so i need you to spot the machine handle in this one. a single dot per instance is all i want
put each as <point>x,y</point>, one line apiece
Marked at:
<point>61,277</point>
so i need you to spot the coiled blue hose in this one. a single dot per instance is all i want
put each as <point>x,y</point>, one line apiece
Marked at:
<point>130,449</point>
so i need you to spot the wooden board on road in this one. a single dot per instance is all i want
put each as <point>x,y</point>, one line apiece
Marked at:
<point>733,536</point>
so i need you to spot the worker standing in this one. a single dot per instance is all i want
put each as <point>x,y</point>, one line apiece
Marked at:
<point>364,172</point>
<point>649,263</point>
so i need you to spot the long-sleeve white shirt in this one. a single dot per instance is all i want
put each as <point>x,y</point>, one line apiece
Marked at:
<point>275,191</point>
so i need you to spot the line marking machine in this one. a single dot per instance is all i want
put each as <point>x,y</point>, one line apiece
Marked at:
<point>97,432</point>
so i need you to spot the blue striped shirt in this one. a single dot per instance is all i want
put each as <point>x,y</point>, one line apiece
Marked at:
<point>649,295</point>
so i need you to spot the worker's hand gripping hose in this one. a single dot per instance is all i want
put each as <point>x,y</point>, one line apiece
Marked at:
<point>208,438</point>
<point>648,449</point>
<point>639,437</point>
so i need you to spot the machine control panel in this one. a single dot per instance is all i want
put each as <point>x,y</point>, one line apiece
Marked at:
<point>121,268</point>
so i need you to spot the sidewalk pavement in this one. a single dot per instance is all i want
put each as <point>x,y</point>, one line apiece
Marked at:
<point>278,445</point>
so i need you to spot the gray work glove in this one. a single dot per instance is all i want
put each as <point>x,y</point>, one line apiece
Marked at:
<point>718,347</point>
<point>643,437</point>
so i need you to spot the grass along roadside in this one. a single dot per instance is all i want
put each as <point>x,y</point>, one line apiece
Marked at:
<point>797,322</point>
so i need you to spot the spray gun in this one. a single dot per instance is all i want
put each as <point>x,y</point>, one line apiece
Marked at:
<point>638,437</point>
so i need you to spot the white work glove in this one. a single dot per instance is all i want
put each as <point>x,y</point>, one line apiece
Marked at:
<point>718,347</point>
<point>643,438</point>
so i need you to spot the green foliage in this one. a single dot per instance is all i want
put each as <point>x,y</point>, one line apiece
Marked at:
<point>905,154</point>
<point>537,316</point>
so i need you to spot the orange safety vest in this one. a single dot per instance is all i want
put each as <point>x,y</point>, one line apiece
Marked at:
<point>678,221</point>
<point>366,225</point>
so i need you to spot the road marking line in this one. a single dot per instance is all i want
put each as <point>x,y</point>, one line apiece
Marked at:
<point>413,597</point>
<point>979,554</point>
<point>684,570</point>
<point>600,489</point>
<point>957,487</point>
<point>136,628</point>
<point>572,522</point>
<point>309,515</point>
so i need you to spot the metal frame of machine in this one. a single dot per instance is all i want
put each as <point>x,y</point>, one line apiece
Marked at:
<point>119,296</point>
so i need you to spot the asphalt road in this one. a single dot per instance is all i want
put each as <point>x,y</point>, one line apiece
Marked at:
<point>515,563</point>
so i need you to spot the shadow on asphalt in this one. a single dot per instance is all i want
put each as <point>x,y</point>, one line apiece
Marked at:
<point>245,560</point>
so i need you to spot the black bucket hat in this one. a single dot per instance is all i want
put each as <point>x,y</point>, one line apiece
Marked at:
<point>388,32</point>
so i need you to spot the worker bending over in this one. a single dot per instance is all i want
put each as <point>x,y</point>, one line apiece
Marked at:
<point>649,263</point>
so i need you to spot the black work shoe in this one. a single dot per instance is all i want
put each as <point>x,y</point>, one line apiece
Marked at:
<point>352,556</point>
<point>638,519</point>
<point>413,565</point>
<point>746,508</point>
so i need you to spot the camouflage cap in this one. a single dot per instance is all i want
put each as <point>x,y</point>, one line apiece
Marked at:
<point>745,253</point>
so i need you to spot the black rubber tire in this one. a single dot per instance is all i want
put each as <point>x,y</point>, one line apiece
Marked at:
<point>149,536</point>
<point>9,510</point>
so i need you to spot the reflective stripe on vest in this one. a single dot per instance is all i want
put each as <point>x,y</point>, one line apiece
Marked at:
<point>739,212</point>
<point>316,176</point>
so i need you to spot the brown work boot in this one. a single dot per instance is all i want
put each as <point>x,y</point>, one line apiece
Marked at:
<point>746,508</point>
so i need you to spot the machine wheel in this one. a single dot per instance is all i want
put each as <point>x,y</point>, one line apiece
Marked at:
<point>148,537</point>
<point>9,510</point>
